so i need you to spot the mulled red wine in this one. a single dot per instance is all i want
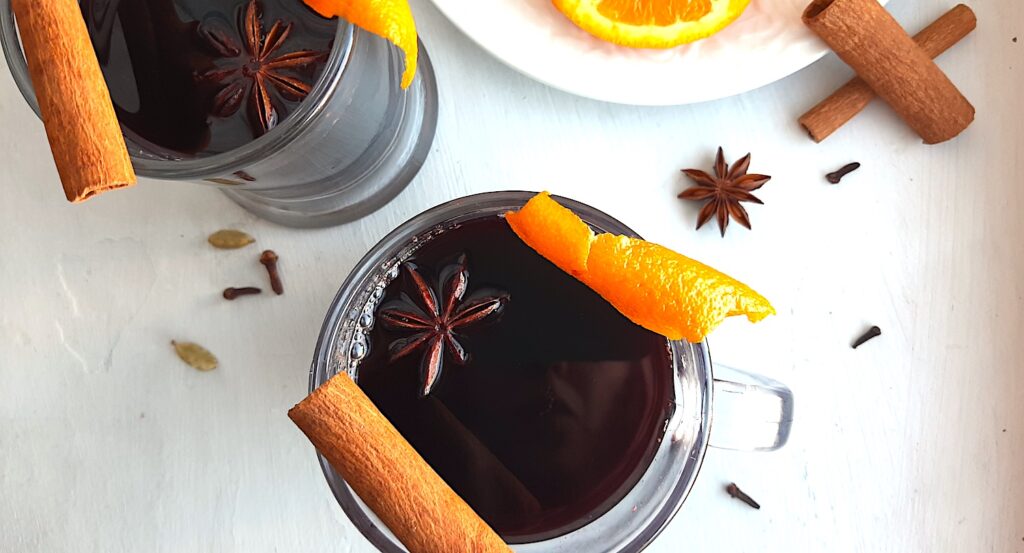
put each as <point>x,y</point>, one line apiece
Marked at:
<point>538,402</point>
<point>200,77</point>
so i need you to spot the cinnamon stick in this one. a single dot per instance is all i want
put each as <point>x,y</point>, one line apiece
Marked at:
<point>845,103</point>
<point>423,512</point>
<point>74,103</point>
<point>870,41</point>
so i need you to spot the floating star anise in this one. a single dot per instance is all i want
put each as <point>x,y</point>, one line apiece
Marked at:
<point>258,69</point>
<point>724,191</point>
<point>433,323</point>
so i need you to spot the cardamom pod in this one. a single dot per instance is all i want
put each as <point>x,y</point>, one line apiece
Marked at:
<point>230,239</point>
<point>196,356</point>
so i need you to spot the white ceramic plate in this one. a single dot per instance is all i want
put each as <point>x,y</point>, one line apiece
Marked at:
<point>768,42</point>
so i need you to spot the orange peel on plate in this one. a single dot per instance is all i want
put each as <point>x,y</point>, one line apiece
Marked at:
<point>391,19</point>
<point>653,286</point>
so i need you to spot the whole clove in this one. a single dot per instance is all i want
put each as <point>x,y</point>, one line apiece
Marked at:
<point>736,492</point>
<point>835,176</point>
<point>269,260</point>
<point>872,332</point>
<point>232,293</point>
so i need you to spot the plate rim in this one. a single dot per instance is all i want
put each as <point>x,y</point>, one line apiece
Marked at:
<point>613,98</point>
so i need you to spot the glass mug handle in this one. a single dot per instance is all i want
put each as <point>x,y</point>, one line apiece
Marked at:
<point>750,412</point>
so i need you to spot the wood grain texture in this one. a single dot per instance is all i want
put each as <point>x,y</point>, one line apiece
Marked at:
<point>844,104</point>
<point>111,444</point>
<point>864,35</point>
<point>385,471</point>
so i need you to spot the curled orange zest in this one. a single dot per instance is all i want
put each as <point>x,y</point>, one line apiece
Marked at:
<point>391,19</point>
<point>653,286</point>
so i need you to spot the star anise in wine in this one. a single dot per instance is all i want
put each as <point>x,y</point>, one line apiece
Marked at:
<point>260,67</point>
<point>724,191</point>
<point>434,324</point>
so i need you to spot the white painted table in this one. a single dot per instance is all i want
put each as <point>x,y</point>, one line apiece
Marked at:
<point>914,442</point>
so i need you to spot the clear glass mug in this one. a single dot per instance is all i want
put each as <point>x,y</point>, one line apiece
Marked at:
<point>750,412</point>
<point>352,145</point>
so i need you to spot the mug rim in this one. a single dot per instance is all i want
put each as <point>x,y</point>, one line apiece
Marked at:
<point>345,40</point>
<point>337,339</point>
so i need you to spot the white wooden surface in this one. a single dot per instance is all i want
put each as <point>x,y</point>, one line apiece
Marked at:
<point>914,442</point>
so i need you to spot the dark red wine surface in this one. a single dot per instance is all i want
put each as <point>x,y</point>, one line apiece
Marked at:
<point>558,411</point>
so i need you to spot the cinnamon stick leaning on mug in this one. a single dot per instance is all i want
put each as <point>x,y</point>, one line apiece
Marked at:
<point>423,512</point>
<point>845,103</point>
<point>74,103</point>
<point>870,41</point>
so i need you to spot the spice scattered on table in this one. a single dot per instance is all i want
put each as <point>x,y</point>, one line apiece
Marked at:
<point>724,191</point>
<point>230,239</point>
<point>872,332</point>
<point>269,260</point>
<point>735,491</point>
<point>196,356</point>
<point>233,293</point>
<point>846,102</point>
<point>867,38</point>
<point>835,176</point>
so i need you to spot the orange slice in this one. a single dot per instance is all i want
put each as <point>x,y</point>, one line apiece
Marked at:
<point>391,19</point>
<point>651,23</point>
<point>653,286</point>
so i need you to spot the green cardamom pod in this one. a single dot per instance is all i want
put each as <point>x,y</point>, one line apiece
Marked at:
<point>230,239</point>
<point>196,356</point>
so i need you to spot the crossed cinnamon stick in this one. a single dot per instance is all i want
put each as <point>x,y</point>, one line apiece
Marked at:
<point>892,65</point>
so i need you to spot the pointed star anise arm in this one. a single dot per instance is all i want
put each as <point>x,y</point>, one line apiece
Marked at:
<point>697,193</point>
<point>404,346</point>
<point>723,216</point>
<point>706,213</point>
<point>739,168</point>
<point>262,105</point>
<point>253,28</point>
<point>739,213</point>
<point>397,316</point>
<point>424,293</point>
<point>228,100</point>
<point>275,39</point>
<point>721,167</point>
<point>455,279</point>
<point>455,349</point>
<point>294,60</point>
<point>700,177</point>
<point>289,87</point>
<point>431,364</point>
<point>752,182</point>
<point>477,310</point>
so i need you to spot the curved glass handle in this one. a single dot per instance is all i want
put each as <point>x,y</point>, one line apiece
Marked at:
<point>750,412</point>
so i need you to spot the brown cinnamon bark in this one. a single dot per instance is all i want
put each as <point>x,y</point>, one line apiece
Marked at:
<point>74,103</point>
<point>845,103</point>
<point>870,41</point>
<point>423,512</point>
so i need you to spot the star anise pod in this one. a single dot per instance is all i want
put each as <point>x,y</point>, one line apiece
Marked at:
<point>724,191</point>
<point>258,68</point>
<point>434,323</point>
